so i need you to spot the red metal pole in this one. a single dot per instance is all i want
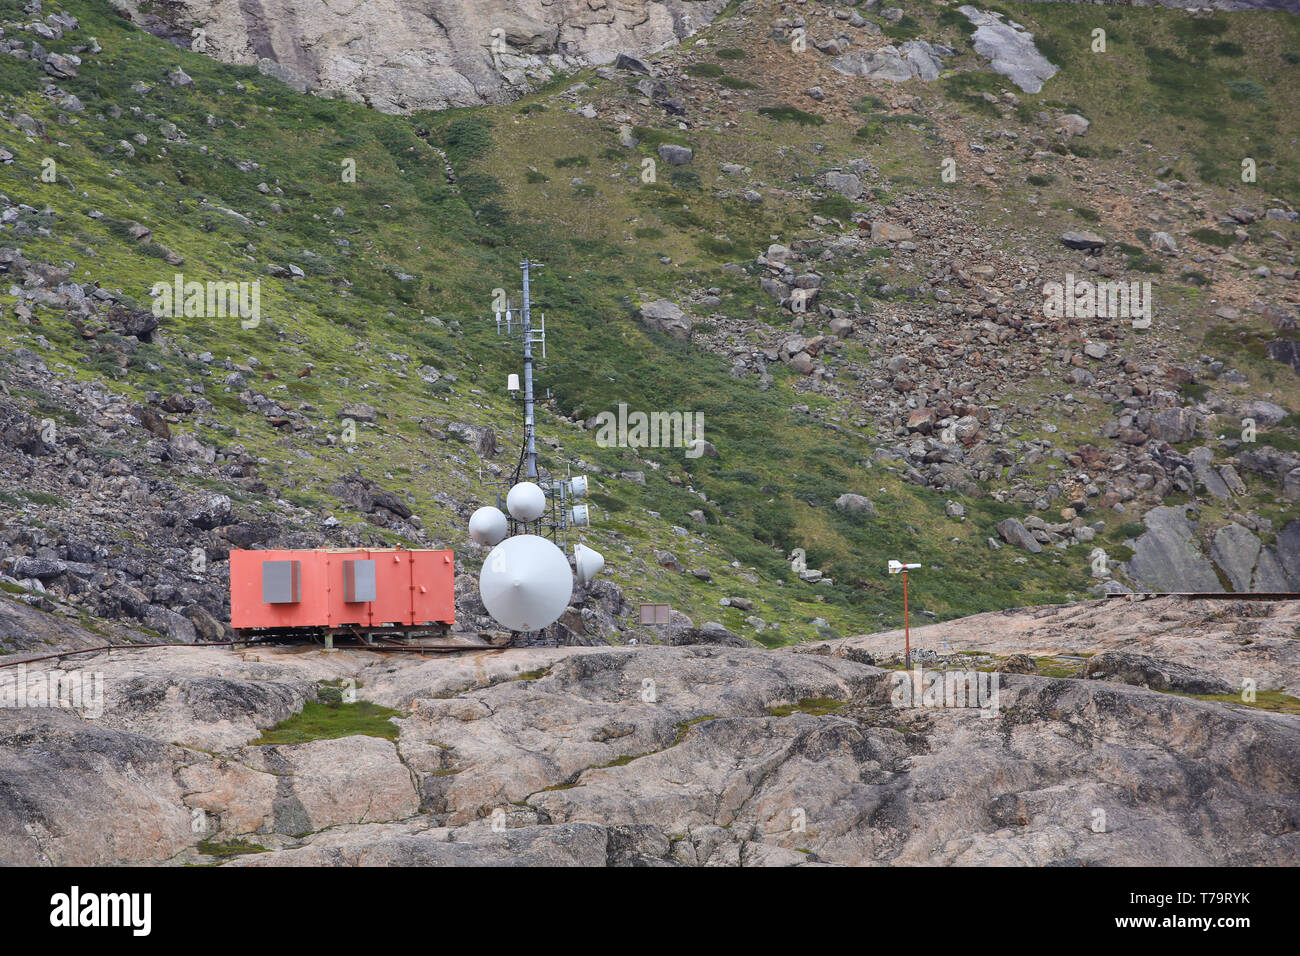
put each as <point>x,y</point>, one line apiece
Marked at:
<point>907,631</point>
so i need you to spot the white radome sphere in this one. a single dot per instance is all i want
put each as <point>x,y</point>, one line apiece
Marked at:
<point>525,583</point>
<point>526,501</point>
<point>488,526</point>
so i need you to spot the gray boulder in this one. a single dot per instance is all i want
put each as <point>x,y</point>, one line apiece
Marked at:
<point>886,63</point>
<point>1073,124</point>
<point>666,559</point>
<point>170,624</point>
<point>676,155</point>
<point>1173,425</point>
<point>1203,468</point>
<point>1167,558</point>
<point>482,438</point>
<point>1267,461</point>
<point>633,64</point>
<point>922,58</point>
<point>1270,575</point>
<point>1286,548</point>
<point>1164,242</point>
<point>1155,673</point>
<point>212,512</point>
<point>43,569</point>
<point>1013,532</point>
<point>846,184</point>
<point>186,445</point>
<point>1266,414</point>
<point>856,505</point>
<point>1236,551</point>
<point>1011,51</point>
<point>359,411</point>
<point>666,317</point>
<point>1083,240</point>
<point>62,67</point>
<point>711,632</point>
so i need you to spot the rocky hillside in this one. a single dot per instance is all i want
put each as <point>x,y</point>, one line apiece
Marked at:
<point>1123,741</point>
<point>831,230</point>
<point>399,56</point>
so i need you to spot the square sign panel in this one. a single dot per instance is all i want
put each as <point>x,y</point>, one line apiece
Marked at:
<point>358,582</point>
<point>656,613</point>
<point>281,582</point>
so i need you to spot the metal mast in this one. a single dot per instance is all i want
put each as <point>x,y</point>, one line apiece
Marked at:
<point>530,437</point>
<point>560,508</point>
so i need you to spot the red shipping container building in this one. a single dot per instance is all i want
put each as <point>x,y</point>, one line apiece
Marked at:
<point>353,589</point>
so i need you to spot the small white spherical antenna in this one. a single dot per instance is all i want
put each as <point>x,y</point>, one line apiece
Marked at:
<point>525,583</point>
<point>579,516</point>
<point>526,501</point>
<point>578,486</point>
<point>588,562</point>
<point>488,526</point>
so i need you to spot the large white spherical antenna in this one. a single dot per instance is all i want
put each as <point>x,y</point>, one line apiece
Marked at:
<point>526,501</point>
<point>525,583</point>
<point>588,562</point>
<point>488,526</point>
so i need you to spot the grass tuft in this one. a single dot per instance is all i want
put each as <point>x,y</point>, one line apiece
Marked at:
<point>330,721</point>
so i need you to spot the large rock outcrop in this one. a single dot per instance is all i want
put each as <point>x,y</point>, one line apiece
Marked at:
<point>1144,671</point>
<point>399,56</point>
<point>695,755</point>
<point>1168,558</point>
<point>1010,50</point>
<point>915,59</point>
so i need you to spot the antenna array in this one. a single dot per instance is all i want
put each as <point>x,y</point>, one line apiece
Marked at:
<point>521,582</point>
